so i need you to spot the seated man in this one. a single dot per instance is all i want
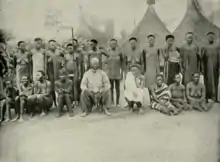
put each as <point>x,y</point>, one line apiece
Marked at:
<point>196,94</point>
<point>178,94</point>
<point>42,97</point>
<point>63,88</point>
<point>161,98</point>
<point>26,90</point>
<point>95,87</point>
<point>134,88</point>
<point>10,101</point>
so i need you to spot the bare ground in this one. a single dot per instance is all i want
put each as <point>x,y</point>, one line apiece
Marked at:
<point>123,137</point>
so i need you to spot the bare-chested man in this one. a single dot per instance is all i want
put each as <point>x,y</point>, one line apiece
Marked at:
<point>178,94</point>
<point>42,97</point>
<point>196,94</point>
<point>25,91</point>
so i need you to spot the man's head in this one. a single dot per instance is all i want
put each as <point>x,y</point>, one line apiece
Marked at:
<point>151,39</point>
<point>94,63</point>
<point>69,48</point>
<point>133,42</point>
<point>75,42</point>
<point>93,43</point>
<point>21,45</point>
<point>170,39</point>
<point>196,77</point>
<point>24,80</point>
<point>52,44</point>
<point>63,75</point>
<point>40,75</point>
<point>211,37</point>
<point>38,43</point>
<point>113,43</point>
<point>8,84</point>
<point>136,69</point>
<point>189,37</point>
<point>159,78</point>
<point>177,78</point>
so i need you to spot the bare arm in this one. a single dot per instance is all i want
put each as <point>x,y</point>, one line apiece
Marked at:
<point>188,90</point>
<point>49,89</point>
<point>106,82</point>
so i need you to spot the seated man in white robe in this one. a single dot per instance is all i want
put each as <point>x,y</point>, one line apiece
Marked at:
<point>135,94</point>
<point>95,87</point>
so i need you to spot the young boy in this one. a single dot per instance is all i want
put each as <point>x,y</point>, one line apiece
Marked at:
<point>63,88</point>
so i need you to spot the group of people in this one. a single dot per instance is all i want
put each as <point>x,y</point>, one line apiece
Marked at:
<point>166,79</point>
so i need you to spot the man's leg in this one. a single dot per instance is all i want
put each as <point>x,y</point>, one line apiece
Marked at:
<point>9,102</point>
<point>3,110</point>
<point>86,102</point>
<point>32,109</point>
<point>68,104</point>
<point>105,99</point>
<point>112,90</point>
<point>117,89</point>
<point>75,91</point>
<point>61,100</point>
<point>45,104</point>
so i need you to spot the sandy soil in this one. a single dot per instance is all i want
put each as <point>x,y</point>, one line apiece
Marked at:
<point>124,137</point>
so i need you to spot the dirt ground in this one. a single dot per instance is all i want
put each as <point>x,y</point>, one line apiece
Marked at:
<point>123,137</point>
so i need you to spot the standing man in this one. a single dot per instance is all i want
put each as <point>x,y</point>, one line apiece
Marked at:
<point>115,69</point>
<point>38,58</point>
<point>211,66</point>
<point>73,67</point>
<point>3,70</point>
<point>190,58</point>
<point>172,60</point>
<point>151,62</point>
<point>134,55</point>
<point>95,52</point>
<point>22,63</point>
<point>95,87</point>
<point>53,65</point>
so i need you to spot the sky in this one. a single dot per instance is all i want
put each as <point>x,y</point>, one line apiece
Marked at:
<point>25,18</point>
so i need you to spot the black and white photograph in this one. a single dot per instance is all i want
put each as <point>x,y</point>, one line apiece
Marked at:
<point>109,80</point>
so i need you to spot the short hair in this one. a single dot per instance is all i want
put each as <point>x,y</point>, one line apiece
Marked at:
<point>74,39</point>
<point>63,72</point>
<point>37,39</point>
<point>196,73</point>
<point>178,74</point>
<point>52,40</point>
<point>69,45</point>
<point>170,36</point>
<point>20,42</point>
<point>94,41</point>
<point>113,39</point>
<point>133,38</point>
<point>151,35</point>
<point>210,33</point>
<point>189,33</point>
<point>135,66</point>
<point>159,75</point>
<point>42,72</point>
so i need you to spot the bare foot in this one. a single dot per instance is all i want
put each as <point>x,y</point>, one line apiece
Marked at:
<point>85,114</point>
<point>43,114</point>
<point>21,120</point>
<point>107,113</point>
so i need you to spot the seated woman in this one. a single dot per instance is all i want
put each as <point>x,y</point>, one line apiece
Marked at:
<point>135,93</point>
<point>178,94</point>
<point>196,94</point>
<point>161,98</point>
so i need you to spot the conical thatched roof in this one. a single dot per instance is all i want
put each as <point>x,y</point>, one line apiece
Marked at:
<point>194,21</point>
<point>150,24</point>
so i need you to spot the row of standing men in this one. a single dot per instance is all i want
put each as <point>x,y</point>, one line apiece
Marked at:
<point>170,60</point>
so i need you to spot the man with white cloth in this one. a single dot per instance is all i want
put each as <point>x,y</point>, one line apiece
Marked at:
<point>135,94</point>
